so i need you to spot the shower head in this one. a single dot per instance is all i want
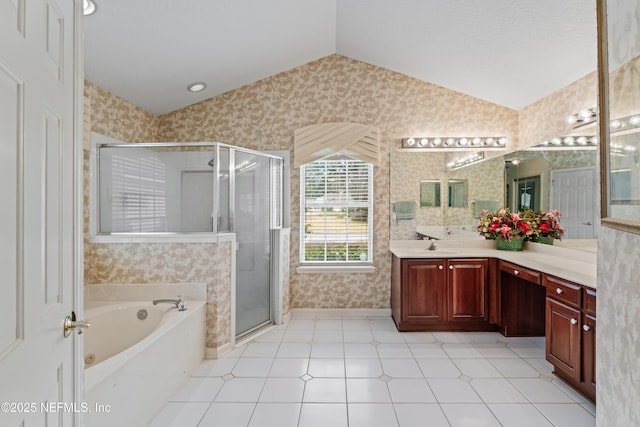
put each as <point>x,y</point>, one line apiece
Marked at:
<point>211,162</point>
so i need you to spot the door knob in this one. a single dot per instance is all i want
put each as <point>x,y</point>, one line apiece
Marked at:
<point>586,328</point>
<point>70,323</point>
<point>574,322</point>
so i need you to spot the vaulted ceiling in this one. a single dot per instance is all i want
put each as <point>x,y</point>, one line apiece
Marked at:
<point>510,52</point>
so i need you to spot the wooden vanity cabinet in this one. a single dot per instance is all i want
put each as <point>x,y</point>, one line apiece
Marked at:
<point>589,343</point>
<point>563,338</point>
<point>522,301</point>
<point>440,294</point>
<point>570,333</point>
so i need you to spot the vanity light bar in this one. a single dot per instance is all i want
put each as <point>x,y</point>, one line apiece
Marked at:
<point>454,142</point>
<point>622,149</point>
<point>630,122</point>
<point>571,141</point>
<point>465,161</point>
<point>617,125</point>
<point>584,117</point>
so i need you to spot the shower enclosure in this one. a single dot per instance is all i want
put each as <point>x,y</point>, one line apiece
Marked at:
<point>157,189</point>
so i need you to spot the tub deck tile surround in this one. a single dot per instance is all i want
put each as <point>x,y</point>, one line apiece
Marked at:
<point>331,377</point>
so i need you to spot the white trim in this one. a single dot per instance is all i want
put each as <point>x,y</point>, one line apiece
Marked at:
<point>370,208</point>
<point>162,238</point>
<point>340,312</point>
<point>232,299</point>
<point>327,269</point>
<point>78,220</point>
<point>215,353</point>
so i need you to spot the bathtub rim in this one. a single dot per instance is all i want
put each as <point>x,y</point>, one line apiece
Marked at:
<point>96,374</point>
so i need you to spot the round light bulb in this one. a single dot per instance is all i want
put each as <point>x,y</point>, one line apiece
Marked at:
<point>585,114</point>
<point>489,141</point>
<point>594,140</point>
<point>463,141</point>
<point>196,87</point>
<point>615,124</point>
<point>424,142</point>
<point>450,141</point>
<point>568,140</point>
<point>502,141</point>
<point>476,141</point>
<point>410,142</point>
<point>635,120</point>
<point>556,141</point>
<point>437,141</point>
<point>571,119</point>
<point>582,140</point>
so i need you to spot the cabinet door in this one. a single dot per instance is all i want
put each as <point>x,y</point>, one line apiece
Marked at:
<point>563,338</point>
<point>424,296</point>
<point>589,355</point>
<point>468,290</point>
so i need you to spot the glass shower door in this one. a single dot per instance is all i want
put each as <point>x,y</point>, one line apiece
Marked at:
<point>254,296</point>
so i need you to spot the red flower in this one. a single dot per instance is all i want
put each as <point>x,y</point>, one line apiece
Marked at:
<point>524,227</point>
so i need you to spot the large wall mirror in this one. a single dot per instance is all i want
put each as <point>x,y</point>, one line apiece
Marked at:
<point>619,75</point>
<point>560,179</point>
<point>565,179</point>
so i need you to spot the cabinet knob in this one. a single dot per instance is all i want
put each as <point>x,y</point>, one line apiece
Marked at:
<point>574,322</point>
<point>586,328</point>
<point>451,267</point>
<point>440,267</point>
<point>558,291</point>
<point>516,272</point>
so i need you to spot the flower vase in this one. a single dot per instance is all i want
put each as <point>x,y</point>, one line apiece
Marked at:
<point>514,244</point>
<point>545,240</point>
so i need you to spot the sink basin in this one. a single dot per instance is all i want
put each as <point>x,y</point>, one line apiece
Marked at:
<point>439,252</point>
<point>436,252</point>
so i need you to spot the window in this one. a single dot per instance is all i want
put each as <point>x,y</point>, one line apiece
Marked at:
<point>138,194</point>
<point>336,219</point>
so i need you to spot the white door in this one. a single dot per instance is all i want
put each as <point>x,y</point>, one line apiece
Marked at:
<point>573,194</point>
<point>39,131</point>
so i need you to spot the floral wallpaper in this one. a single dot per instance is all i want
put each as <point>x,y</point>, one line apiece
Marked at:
<point>265,114</point>
<point>547,118</point>
<point>170,263</point>
<point>208,263</point>
<point>618,336</point>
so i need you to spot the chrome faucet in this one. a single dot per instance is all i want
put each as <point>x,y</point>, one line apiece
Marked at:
<point>179,303</point>
<point>432,246</point>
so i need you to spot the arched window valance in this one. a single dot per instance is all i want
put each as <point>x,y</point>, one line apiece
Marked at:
<point>325,140</point>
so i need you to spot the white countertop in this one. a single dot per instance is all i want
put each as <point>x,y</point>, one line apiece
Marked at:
<point>569,264</point>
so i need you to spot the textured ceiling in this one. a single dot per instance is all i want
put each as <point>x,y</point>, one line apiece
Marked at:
<point>510,52</point>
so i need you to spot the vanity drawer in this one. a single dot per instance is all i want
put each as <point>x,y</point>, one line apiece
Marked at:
<point>589,301</point>
<point>521,272</point>
<point>563,290</point>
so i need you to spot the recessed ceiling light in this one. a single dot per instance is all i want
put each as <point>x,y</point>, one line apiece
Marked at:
<point>88,7</point>
<point>196,87</point>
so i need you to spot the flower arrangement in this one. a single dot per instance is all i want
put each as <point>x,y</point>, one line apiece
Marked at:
<point>548,224</point>
<point>507,225</point>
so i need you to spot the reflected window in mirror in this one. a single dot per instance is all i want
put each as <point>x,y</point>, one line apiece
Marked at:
<point>429,193</point>
<point>457,190</point>
<point>529,193</point>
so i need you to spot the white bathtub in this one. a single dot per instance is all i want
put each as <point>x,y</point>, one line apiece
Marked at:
<point>134,366</point>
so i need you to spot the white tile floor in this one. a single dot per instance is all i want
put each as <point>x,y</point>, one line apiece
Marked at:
<point>361,372</point>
